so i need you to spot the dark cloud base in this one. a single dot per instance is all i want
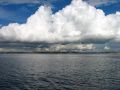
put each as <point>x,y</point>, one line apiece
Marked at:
<point>6,48</point>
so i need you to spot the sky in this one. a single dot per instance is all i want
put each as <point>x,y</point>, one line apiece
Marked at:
<point>83,24</point>
<point>12,11</point>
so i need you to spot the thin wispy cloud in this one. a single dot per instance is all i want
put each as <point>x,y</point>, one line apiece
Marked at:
<point>17,1</point>
<point>6,2</point>
<point>101,2</point>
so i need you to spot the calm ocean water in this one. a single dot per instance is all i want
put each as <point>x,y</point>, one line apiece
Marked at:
<point>59,72</point>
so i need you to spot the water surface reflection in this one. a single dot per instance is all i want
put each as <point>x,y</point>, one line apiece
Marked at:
<point>59,72</point>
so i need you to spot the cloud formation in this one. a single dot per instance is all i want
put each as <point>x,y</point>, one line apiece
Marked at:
<point>77,22</point>
<point>17,1</point>
<point>101,2</point>
<point>6,2</point>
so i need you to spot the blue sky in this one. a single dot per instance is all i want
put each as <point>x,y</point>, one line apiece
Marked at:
<point>12,11</point>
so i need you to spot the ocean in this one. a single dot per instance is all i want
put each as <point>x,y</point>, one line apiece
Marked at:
<point>60,71</point>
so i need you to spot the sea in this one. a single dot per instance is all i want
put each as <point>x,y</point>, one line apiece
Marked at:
<point>60,71</point>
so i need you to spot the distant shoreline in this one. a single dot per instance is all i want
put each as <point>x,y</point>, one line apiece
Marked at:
<point>58,52</point>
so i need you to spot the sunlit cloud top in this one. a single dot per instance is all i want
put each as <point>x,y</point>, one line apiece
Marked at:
<point>76,23</point>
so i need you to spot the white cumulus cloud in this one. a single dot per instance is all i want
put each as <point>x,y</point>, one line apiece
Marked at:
<point>77,22</point>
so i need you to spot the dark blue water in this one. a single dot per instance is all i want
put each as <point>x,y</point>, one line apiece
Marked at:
<point>59,72</point>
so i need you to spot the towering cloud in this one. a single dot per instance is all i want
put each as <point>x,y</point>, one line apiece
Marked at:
<point>77,22</point>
